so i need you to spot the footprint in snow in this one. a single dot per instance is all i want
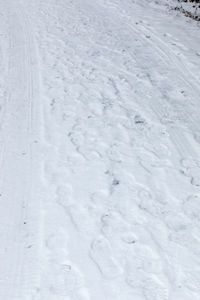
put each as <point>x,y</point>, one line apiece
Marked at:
<point>147,259</point>
<point>149,204</point>
<point>113,225</point>
<point>142,263</point>
<point>191,207</point>
<point>155,289</point>
<point>135,279</point>
<point>177,221</point>
<point>101,254</point>
<point>194,174</point>
<point>65,280</point>
<point>190,162</point>
<point>192,170</point>
<point>190,279</point>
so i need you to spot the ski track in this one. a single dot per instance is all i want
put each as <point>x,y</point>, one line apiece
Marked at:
<point>19,135</point>
<point>100,143</point>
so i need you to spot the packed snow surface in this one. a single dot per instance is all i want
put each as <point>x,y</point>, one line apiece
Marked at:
<point>99,151</point>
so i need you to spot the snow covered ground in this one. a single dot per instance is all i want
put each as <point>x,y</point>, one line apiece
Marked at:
<point>100,151</point>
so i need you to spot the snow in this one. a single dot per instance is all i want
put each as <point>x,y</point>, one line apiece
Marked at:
<point>100,151</point>
<point>191,8</point>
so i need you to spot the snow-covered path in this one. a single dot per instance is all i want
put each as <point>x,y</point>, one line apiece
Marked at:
<point>20,137</point>
<point>100,151</point>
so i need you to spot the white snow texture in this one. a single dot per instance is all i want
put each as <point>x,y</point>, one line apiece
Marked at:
<point>99,151</point>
